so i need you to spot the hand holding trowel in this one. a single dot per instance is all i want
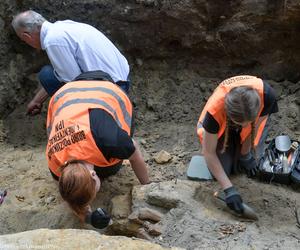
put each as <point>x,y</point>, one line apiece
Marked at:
<point>198,170</point>
<point>244,211</point>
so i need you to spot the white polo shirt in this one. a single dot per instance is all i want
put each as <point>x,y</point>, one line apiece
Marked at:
<point>74,48</point>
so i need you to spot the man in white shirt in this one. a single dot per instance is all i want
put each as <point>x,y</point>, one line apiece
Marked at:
<point>72,48</point>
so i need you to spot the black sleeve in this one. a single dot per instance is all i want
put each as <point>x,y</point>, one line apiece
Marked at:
<point>270,102</point>
<point>111,140</point>
<point>210,124</point>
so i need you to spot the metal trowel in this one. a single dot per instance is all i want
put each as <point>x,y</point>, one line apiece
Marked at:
<point>248,212</point>
<point>283,144</point>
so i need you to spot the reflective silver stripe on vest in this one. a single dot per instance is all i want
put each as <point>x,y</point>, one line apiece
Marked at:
<point>126,115</point>
<point>49,128</point>
<point>93,101</point>
<point>199,125</point>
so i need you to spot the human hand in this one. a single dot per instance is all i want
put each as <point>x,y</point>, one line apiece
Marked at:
<point>34,108</point>
<point>99,218</point>
<point>249,165</point>
<point>234,200</point>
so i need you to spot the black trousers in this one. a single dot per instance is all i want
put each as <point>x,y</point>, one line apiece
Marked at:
<point>104,172</point>
<point>229,159</point>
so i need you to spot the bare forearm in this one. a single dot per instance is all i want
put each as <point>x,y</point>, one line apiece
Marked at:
<point>217,170</point>
<point>41,95</point>
<point>35,105</point>
<point>209,149</point>
<point>139,166</point>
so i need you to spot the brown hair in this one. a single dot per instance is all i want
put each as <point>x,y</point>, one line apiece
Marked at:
<point>77,187</point>
<point>241,104</point>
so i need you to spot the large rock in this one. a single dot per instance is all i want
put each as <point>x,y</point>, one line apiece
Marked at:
<point>72,239</point>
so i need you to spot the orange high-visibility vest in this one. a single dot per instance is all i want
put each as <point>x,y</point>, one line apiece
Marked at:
<point>216,106</point>
<point>68,124</point>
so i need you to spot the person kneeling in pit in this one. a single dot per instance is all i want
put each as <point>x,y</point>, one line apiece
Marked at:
<point>89,126</point>
<point>232,129</point>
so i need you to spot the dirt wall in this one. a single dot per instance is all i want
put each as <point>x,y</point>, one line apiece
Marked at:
<point>212,38</point>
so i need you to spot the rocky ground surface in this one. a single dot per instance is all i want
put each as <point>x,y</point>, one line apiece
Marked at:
<point>172,211</point>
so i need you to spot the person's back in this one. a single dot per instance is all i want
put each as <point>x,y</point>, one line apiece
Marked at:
<point>73,48</point>
<point>91,49</point>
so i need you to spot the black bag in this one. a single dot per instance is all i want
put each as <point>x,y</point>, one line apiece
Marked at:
<point>295,175</point>
<point>281,164</point>
<point>94,75</point>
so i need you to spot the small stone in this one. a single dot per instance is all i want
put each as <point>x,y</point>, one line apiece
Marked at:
<point>185,110</point>
<point>209,38</point>
<point>139,62</point>
<point>292,114</point>
<point>151,105</point>
<point>162,157</point>
<point>181,155</point>
<point>41,196</point>
<point>143,142</point>
<point>49,200</point>
<point>157,136</point>
<point>126,162</point>
<point>203,86</point>
<point>146,225</point>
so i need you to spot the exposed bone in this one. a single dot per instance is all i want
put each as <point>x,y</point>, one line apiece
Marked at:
<point>150,214</point>
<point>134,217</point>
<point>153,229</point>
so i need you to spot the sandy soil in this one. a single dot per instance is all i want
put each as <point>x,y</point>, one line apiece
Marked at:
<point>168,106</point>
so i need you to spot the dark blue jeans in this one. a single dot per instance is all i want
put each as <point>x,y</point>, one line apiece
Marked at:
<point>51,84</point>
<point>124,85</point>
<point>48,80</point>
